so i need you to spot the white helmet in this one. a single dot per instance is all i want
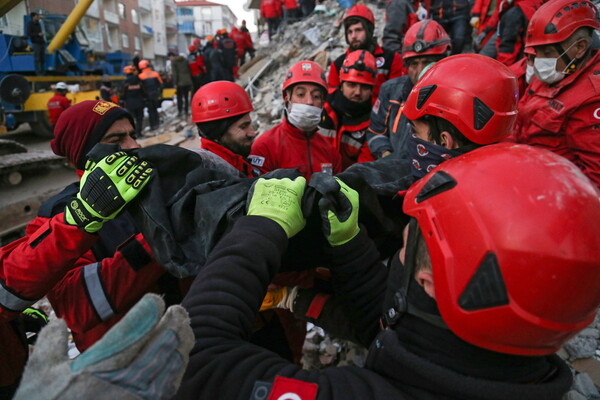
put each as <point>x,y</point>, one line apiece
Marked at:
<point>61,85</point>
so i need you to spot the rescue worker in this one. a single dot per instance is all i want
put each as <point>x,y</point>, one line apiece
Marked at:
<point>426,42</point>
<point>182,80</point>
<point>240,43</point>
<point>152,84</point>
<point>295,142</point>
<point>92,270</point>
<point>229,51</point>
<point>221,111</point>
<point>560,110</point>
<point>292,11</point>
<point>450,296</point>
<point>514,18</point>
<point>484,20</point>
<point>132,97</point>
<point>400,15</point>
<point>248,45</point>
<point>348,109</point>
<point>453,15</point>
<point>38,43</point>
<point>359,27</point>
<point>195,61</point>
<point>213,58</point>
<point>58,103</point>
<point>107,93</point>
<point>271,11</point>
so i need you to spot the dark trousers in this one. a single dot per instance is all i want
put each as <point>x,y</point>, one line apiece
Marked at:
<point>183,99</point>
<point>458,29</point>
<point>272,25</point>
<point>152,106</point>
<point>138,116</point>
<point>39,58</point>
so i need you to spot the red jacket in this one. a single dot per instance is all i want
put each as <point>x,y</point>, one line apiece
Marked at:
<point>291,4</point>
<point>285,146</point>
<point>240,40</point>
<point>565,117</point>
<point>510,43</point>
<point>488,19</point>
<point>56,105</point>
<point>235,160</point>
<point>348,135</point>
<point>520,69</point>
<point>91,280</point>
<point>271,8</point>
<point>389,65</point>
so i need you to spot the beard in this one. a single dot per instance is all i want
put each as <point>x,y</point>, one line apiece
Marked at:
<point>243,149</point>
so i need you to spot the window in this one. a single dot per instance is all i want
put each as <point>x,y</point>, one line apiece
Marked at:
<point>138,44</point>
<point>134,16</point>
<point>122,13</point>
<point>207,12</point>
<point>125,39</point>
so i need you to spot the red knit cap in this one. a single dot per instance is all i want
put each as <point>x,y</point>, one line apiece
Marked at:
<point>82,126</point>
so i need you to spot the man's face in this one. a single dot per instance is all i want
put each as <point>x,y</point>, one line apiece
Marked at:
<point>307,93</point>
<point>239,136</point>
<point>357,92</point>
<point>573,50</point>
<point>415,66</point>
<point>121,132</point>
<point>356,36</point>
<point>420,129</point>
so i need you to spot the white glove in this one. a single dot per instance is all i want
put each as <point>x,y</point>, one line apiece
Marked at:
<point>421,13</point>
<point>144,356</point>
<point>280,298</point>
<point>474,22</point>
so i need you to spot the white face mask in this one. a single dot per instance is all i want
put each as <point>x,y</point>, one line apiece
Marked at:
<point>529,72</point>
<point>303,116</point>
<point>545,68</point>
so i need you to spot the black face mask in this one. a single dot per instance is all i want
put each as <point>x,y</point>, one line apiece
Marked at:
<point>425,155</point>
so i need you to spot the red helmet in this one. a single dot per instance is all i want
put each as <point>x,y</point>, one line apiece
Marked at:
<point>305,71</point>
<point>360,11</point>
<point>360,67</point>
<point>483,107</point>
<point>192,48</point>
<point>218,100</point>
<point>143,64</point>
<point>556,20</point>
<point>426,37</point>
<point>513,234</point>
<point>196,42</point>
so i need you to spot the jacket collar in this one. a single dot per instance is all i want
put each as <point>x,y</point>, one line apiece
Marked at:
<point>235,160</point>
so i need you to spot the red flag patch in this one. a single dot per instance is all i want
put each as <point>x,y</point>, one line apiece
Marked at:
<point>292,389</point>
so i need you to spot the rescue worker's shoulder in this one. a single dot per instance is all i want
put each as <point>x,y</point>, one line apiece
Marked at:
<point>392,89</point>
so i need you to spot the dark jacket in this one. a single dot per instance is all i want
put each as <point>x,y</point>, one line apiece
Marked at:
<point>227,294</point>
<point>400,15</point>
<point>215,65</point>
<point>229,50</point>
<point>182,74</point>
<point>132,93</point>
<point>34,28</point>
<point>390,129</point>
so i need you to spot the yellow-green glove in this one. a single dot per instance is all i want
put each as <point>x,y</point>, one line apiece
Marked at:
<point>339,214</point>
<point>105,188</point>
<point>280,201</point>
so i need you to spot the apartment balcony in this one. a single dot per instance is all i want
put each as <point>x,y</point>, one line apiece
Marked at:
<point>171,28</point>
<point>170,7</point>
<point>111,17</point>
<point>145,6</point>
<point>147,30</point>
<point>186,27</point>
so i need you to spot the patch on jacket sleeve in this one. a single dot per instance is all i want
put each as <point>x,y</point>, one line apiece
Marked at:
<point>256,160</point>
<point>292,389</point>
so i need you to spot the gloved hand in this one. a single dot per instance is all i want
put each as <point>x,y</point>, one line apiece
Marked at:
<point>474,22</point>
<point>280,201</point>
<point>338,208</point>
<point>33,320</point>
<point>280,298</point>
<point>106,188</point>
<point>144,356</point>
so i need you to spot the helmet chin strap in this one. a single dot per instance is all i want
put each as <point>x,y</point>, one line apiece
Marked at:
<point>571,63</point>
<point>400,304</point>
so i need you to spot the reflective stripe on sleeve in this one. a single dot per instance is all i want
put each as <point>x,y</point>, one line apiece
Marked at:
<point>11,301</point>
<point>96,293</point>
<point>351,142</point>
<point>330,133</point>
